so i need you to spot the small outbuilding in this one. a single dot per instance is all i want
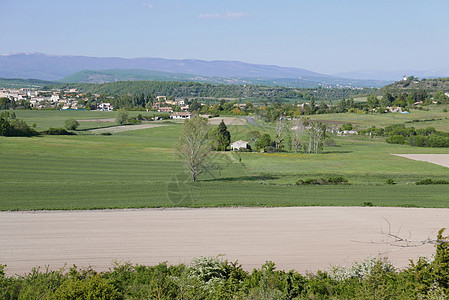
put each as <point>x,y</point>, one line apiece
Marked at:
<point>239,145</point>
<point>181,115</point>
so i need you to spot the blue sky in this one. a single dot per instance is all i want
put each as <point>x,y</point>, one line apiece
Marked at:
<point>325,36</point>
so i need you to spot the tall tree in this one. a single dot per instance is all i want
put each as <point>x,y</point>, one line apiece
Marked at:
<point>317,132</point>
<point>298,128</point>
<point>222,137</point>
<point>194,146</point>
<point>282,132</point>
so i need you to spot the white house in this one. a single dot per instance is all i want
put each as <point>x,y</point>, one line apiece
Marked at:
<point>180,115</point>
<point>105,107</point>
<point>239,145</point>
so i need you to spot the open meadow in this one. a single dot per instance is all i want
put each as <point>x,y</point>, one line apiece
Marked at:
<point>140,168</point>
<point>437,116</point>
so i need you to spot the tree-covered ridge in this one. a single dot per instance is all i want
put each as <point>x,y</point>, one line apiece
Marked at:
<point>23,83</point>
<point>411,84</point>
<point>206,90</point>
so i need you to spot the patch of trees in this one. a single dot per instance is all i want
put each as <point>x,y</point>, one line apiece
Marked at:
<point>221,137</point>
<point>11,126</point>
<point>217,278</point>
<point>413,84</point>
<point>335,180</point>
<point>427,137</point>
<point>180,89</point>
<point>289,136</point>
<point>6,103</point>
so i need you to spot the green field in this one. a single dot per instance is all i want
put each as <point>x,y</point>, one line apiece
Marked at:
<point>140,169</point>
<point>435,117</point>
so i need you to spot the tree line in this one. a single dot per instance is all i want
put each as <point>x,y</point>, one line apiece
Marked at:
<point>181,89</point>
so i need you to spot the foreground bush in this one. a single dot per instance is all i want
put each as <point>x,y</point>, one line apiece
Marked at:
<point>336,180</point>
<point>431,181</point>
<point>216,278</point>
<point>57,131</point>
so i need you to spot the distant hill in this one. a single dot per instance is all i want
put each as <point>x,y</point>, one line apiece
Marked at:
<point>430,85</point>
<point>394,75</point>
<point>18,83</point>
<point>104,76</point>
<point>56,67</point>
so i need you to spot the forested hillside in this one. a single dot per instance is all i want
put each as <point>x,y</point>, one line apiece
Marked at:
<point>414,84</point>
<point>207,90</point>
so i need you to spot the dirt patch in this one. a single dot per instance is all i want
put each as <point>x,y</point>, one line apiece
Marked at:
<point>109,120</point>
<point>334,122</point>
<point>300,238</point>
<point>124,128</point>
<point>228,121</point>
<point>438,159</point>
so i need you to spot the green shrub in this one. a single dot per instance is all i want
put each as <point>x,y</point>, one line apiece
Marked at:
<point>396,139</point>
<point>424,181</point>
<point>71,124</point>
<point>389,181</point>
<point>337,180</point>
<point>310,181</point>
<point>93,287</point>
<point>431,181</point>
<point>330,142</point>
<point>5,127</point>
<point>57,131</point>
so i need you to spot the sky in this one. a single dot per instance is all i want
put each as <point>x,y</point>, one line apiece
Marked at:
<point>326,36</point>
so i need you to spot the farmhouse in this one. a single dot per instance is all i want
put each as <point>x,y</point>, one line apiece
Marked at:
<point>105,107</point>
<point>166,109</point>
<point>181,115</point>
<point>238,145</point>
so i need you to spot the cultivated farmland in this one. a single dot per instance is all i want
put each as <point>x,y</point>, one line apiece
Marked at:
<point>139,168</point>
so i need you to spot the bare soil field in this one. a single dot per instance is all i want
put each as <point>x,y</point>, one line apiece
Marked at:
<point>124,128</point>
<point>228,121</point>
<point>300,238</point>
<point>438,159</point>
<point>108,120</point>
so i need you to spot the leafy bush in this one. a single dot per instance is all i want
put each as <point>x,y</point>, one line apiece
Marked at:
<point>309,181</point>
<point>323,181</point>
<point>431,181</point>
<point>330,142</point>
<point>337,180</point>
<point>57,131</point>
<point>71,124</point>
<point>122,117</point>
<point>389,181</point>
<point>396,139</point>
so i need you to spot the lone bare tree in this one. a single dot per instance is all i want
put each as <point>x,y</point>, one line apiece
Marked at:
<point>317,132</point>
<point>298,128</point>
<point>194,145</point>
<point>281,132</point>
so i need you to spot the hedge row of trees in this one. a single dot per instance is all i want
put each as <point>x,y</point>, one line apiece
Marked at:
<point>216,278</point>
<point>181,89</point>
<point>11,126</point>
<point>427,137</point>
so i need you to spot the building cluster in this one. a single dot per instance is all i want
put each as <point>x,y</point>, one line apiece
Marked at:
<point>55,99</point>
<point>162,104</point>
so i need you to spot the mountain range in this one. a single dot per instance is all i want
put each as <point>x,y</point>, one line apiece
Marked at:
<point>68,68</point>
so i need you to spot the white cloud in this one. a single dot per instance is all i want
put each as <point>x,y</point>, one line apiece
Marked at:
<point>229,15</point>
<point>148,5</point>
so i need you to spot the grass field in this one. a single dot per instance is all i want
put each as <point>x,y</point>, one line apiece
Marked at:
<point>435,117</point>
<point>45,119</point>
<point>140,169</point>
